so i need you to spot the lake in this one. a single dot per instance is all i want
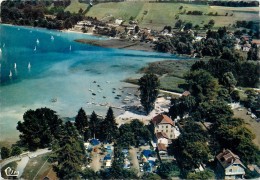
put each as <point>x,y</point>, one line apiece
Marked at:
<point>39,66</point>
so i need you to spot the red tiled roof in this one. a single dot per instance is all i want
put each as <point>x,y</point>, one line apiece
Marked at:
<point>161,147</point>
<point>162,119</point>
<point>186,93</point>
<point>161,135</point>
<point>227,158</point>
<point>256,41</point>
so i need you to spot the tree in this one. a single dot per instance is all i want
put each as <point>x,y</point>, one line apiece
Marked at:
<point>16,151</point>
<point>168,169</point>
<point>188,26</point>
<point>202,85</point>
<point>203,175</point>
<point>39,128</point>
<point>211,23</point>
<point>182,106</point>
<point>89,174</point>
<point>213,111</point>
<point>229,81</point>
<point>81,123</point>
<point>109,130</point>
<point>5,152</point>
<point>94,125</point>
<point>71,154</point>
<point>148,86</point>
<point>150,176</point>
<point>137,29</point>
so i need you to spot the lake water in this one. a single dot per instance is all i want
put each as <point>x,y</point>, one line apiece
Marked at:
<point>49,64</point>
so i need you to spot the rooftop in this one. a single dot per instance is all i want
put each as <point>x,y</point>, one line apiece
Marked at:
<point>162,119</point>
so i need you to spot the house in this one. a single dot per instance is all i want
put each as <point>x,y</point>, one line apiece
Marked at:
<point>246,47</point>
<point>256,41</point>
<point>162,138</point>
<point>118,21</point>
<point>186,93</point>
<point>162,149</point>
<point>229,165</point>
<point>162,123</point>
<point>49,175</point>
<point>237,47</point>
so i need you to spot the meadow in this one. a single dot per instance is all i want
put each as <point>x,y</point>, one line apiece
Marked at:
<point>157,15</point>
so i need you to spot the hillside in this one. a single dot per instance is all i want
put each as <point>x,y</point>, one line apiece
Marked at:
<point>157,15</point>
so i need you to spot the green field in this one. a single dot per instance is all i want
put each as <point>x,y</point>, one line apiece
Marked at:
<point>157,15</point>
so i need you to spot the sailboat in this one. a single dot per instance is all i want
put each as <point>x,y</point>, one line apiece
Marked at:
<point>29,65</point>
<point>52,38</point>
<point>35,48</point>
<point>70,47</point>
<point>0,50</point>
<point>37,41</point>
<point>11,74</point>
<point>14,65</point>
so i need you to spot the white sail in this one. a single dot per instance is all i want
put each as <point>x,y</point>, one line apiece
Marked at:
<point>11,74</point>
<point>70,47</point>
<point>35,48</point>
<point>14,65</point>
<point>37,41</point>
<point>52,38</point>
<point>29,65</point>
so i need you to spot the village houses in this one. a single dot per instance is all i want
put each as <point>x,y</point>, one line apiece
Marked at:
<point>229,165</point>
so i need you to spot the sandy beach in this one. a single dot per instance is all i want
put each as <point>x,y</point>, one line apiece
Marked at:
<point>136,112</point>
<point>119,44</point>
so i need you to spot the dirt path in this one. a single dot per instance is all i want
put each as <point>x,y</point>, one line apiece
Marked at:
<point>134,159</point>
<point>95,164</point>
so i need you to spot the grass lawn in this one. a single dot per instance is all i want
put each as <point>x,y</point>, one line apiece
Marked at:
<point>172,83</point>
<point>170,73</point>
<point>251,124</point>
<point>34,165</point>
<point>157,15</point>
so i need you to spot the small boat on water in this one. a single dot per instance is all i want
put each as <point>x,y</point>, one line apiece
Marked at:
<point>29,65</point>
<point>52,38</point>
<point>35,48</point>
<point>37,41</point>
<point>94,94</point>
<point>104,97</point>
<point>14,65</point>
<point>54,100</point>
<point>70,47</point>
<point>10,74</point>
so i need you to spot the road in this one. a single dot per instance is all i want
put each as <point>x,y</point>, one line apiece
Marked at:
<point>23,158</point>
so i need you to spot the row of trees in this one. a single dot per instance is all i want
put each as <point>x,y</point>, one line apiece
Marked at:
<point>215,43</point>
<point>235,3</point>
<point>35,14</point>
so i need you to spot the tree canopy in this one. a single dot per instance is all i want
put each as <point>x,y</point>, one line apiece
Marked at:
<point>39,128</point>
<point>148,86</point>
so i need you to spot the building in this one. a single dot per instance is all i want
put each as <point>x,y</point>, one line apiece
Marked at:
<point>164,124</point>
<point>229,166</point>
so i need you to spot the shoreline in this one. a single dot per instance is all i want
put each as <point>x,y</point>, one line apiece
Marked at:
<point>119,44</point>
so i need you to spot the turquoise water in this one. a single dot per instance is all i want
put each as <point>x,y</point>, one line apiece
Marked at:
<point>59,68</point>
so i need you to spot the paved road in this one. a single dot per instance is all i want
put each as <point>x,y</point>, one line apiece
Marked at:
<point>23,157</point>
